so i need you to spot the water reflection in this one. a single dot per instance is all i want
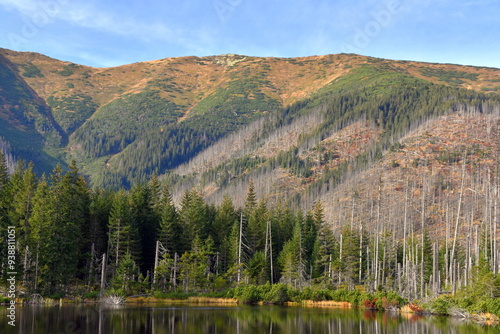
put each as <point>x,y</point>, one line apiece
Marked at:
<point>166,319</point>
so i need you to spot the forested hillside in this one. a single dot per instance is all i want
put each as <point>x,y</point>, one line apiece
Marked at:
<point>344,129</point>
<point>76,241</point>
<point>202,174</point>
<point>306,150</point>
<point>124,124</point>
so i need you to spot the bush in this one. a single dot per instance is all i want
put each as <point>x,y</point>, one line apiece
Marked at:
<point>388,299</point>
<point>31,71</point>
<point>370,304</point>
<point>4,300</point>
<point>314,293</point>
<point>219,284</point>
<point>177,295</point>
<point>440,305</point>
<point>354,297</point>
<point>56,296</point>
<point>489,305</point>
<point>415,308</point>
<point>278,294</point>
<point>249,294</point>
<point>91,295</point>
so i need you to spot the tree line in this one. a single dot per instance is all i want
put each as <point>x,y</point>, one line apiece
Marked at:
<point>71,238</point>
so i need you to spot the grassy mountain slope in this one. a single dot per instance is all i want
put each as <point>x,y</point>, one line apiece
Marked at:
<point>221,120</point>
<point>374,147</point>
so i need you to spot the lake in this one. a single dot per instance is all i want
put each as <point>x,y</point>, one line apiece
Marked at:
<point>193,319</point>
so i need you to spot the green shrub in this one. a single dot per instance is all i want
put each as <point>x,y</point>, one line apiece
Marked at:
<point>56,296</point>
<point>31,71</point>
<point>278,294</point>
<point>315,293</point>
<point>354,297</point>
<point>249,294</point>
<point>440,305</point>
<point>91,295</point>
<point>465,302</point>
<point>488,305</point>
<point>4,300</point>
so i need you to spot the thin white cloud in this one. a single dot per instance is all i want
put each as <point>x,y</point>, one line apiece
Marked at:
<point>479,3</point>
<point>20,5</point>
<point>86,15</point>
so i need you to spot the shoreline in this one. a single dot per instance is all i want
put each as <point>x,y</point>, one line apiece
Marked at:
<point>487,319</point>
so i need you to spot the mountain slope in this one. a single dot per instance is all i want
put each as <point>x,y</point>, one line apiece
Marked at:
<point>227,116</point>
<point>27,123</point>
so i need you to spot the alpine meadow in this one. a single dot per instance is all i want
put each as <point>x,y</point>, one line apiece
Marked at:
<point>337,177</point>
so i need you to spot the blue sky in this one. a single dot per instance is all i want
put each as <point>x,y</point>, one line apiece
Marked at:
<point>110,33</point>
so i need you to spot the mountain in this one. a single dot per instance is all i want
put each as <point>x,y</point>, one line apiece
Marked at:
<point>339,128</point>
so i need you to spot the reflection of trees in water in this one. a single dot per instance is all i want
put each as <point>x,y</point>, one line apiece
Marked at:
<point>219,319</point>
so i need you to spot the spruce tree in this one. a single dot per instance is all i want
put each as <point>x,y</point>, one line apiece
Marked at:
<point>71,202</point>
<point>193,216</point>
<point>122,236</point>
<point>99,212</point>
<point>251,199</point>
<point>170,232</point>
<point>223,224</point>
<point>291,258</point>
<point>326,245</point>
<point>4,210</point>
<point>22,192</point>
<point>126,279</point>
<point>256,227</point>
<point>42,238</point>
<point>4,173</point>
<point>350,255</point>
<point>146,225</point>
<point>309,232</point>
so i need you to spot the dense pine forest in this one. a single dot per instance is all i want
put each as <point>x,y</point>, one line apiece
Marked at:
<point>68,233</point>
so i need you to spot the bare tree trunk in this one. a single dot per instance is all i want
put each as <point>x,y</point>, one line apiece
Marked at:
<point>405,224</point>
<point>476,249</point>
<point>447,248</point>
<point>117,245</point>
<point>377,236</point>
<point>454,276</point>
<point>495,240</point>
<point>382,273</point>
<point>360,251</point>
<point>399,272</point>
<point>269,248</point>
<point>25,265</point>
<point>157,254</point>
<point>174,275</point>
<point>452,257</point>
<point>271,252</point>
<point>352,211</point>
<point>422,212</point>
<point>36,264</point>
<point>239,249</point>
<point>103,276</point>
<point>434,268</point>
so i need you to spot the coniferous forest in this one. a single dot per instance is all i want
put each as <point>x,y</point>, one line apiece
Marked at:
<point>339,177</point>
<point>74,240</point>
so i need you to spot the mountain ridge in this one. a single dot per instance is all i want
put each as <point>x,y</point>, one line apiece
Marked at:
<point>126,123</point>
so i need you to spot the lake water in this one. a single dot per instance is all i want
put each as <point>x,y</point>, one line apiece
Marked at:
<point>175,319</point>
